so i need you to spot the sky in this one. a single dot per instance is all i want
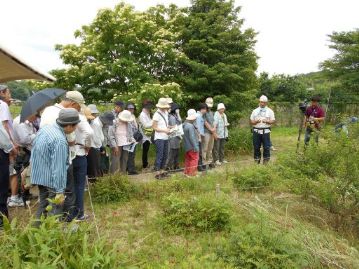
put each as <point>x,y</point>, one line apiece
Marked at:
<point>292,34</point>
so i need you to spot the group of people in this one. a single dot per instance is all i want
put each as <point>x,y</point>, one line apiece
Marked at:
<point>68,144</point>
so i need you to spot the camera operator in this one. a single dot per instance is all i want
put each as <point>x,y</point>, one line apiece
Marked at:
<point>315,116</point>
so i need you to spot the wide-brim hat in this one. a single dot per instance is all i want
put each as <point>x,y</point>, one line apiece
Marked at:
<point>221,106</point>
<point>209,102</point>
<point>191,114</point>
<point>68,116</point>
<point>125,116</point>
<point>93,109</point>
<point>87,113</point>
<point>75,96</point>
<point>163,103</point>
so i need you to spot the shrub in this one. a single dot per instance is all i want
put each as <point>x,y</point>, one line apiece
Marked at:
<point>259,246</point>
<point>53,246</point>
<point>198,213</point>
<point>253,178</point>
<point>114,188</point>
<point>240,140</point>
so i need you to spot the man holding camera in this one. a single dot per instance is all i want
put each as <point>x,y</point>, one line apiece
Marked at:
<point>315,116</point>
<point>262,119</point>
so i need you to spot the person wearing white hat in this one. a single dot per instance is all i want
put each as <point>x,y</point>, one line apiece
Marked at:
<point>262,119</point>
<point>191,144</point>
<point>162,129</point>
<point>94,110</point>
<point>209,134</point>
<point>221,125</point>
<point>120,137</point>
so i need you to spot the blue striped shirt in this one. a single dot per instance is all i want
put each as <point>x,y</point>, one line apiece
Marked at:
<point>49,158</point>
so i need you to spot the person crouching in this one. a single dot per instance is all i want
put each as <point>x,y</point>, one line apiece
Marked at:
<point>191,144</point>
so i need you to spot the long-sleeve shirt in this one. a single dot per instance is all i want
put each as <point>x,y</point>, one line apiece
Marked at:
<point>5,142</point>
<point>221,123</point>
<point>84,135</point>
<point>50,115</point>
<point>24,133</point>
<point>146,123</point>
<point>49,158</point>
<point>200,123</point>
<point>190,137</point>
<point>98,136</point>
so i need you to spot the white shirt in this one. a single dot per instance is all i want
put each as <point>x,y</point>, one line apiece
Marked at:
<point>162,123</point>
<point>5,115</point>
<point>145,122</point>
<point>98,138</point>
<point>84,134</point>
<point>50,115</point>
<point>24,133</point>
<point>262,114</point>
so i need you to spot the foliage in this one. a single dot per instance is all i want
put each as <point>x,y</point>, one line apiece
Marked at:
<point>203,213</point>
<point>344,66</point>
<point>283,88</point>
<point>114,188</point>
<point>153,92</point>
<point>262,246</point>
<point>53,246</point>
<point>239,141</point>
<point>119,51</point>
<point>20,90</point>
<point>253,178</point>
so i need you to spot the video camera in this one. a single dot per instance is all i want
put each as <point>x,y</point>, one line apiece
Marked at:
<point>303,106</point>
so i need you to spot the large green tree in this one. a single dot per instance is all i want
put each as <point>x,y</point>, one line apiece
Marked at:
<point>120,50</point>
<point>344,66</point>
<point>220,57</point>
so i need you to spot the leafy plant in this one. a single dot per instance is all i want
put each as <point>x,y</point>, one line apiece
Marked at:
<point>253,178</point>
<point>114,188</point>
<point>53,245</point>
<point>240,141</point>
<point>203,213</point>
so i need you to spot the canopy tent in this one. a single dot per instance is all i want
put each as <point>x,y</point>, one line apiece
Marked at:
<point>13,68</point>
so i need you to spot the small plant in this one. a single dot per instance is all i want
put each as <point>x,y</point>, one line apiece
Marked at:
<point>114,188</point>
<point>203,213</point>
<point>240,141</point>
<point>259,246</point>
<point>253,178</point>
<point>53,245</point>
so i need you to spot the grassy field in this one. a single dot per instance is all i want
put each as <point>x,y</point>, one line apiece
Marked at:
<point>236,216</point>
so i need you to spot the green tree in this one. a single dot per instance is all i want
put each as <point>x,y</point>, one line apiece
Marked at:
<point>344,66</point>
<point>220,55</point>
<point>119,51</point>
<point>20,89</point>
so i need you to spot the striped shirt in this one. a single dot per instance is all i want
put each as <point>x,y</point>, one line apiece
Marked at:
<point>49,158</point>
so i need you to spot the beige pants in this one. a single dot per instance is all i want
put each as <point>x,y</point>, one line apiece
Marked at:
<point>119,162</point>
<point>207,148</point>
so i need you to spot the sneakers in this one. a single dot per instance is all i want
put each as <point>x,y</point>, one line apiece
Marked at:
<point>82,218</point>
<point>224,161</point>
<point>15,202</point>
<point>272,148</point>
<point>218,163</point>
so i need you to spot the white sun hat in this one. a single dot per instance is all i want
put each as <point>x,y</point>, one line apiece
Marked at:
<point>125,116</point>
<point>220,106</point>
<point>163,103</point>
<point>263,98</point>
<point>209,102</point>
<point>93,109</point>
<point>191,114</point>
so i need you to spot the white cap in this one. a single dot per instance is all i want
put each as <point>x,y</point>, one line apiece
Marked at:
<point>191,114</point>
<point>263,98</point>
<point>220,106</point>
<point>75,96</point>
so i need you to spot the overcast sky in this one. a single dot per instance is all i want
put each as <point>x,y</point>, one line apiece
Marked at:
<point>292,33</point>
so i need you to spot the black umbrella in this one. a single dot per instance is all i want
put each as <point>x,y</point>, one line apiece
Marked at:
<point>38,101</point>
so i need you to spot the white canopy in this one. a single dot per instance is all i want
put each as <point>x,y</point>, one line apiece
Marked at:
<point>13,68</point>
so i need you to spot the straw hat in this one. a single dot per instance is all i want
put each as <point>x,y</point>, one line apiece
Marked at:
<point>191,114</point>
<point>163,103</point>
<point>209,102</point>
<point>125,116</point>
<point>220,106</point>
<point>87,113</point>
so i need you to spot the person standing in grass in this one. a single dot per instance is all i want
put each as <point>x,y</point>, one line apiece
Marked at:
<point>131,166</point>
<point>221,125</point>
<point>191,144</point>
<point>209,134</point>
<point>147,130</point>
<point>175,139</point>
<point>315,116</point>
<point>114,161</point>
<point>200,124</point>
<point>162,129</point>
<point>50,160</point>
<point>262,119</point>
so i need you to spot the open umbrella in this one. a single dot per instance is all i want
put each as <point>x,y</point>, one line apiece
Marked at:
<point>38,101</point>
